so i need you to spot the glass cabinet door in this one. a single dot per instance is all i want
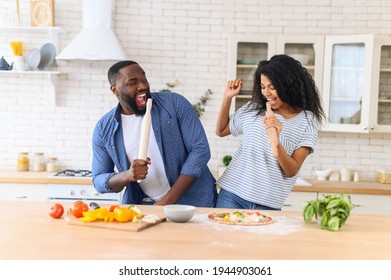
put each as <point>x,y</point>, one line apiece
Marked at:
<point>348,75</point>
<point>249,55</point>
<point>308,50</point>
<point>346,85</point>
<point>245,52</point>
<point>384,96</point>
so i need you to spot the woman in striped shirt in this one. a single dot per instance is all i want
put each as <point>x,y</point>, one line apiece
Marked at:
<point>255,179</point>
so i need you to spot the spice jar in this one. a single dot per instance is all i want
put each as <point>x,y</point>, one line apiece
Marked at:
<point>39,163</point>
<point>23,162</point>
<point>52,165</point>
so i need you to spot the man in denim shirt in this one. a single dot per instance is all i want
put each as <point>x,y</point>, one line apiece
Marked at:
<point>176,169</point>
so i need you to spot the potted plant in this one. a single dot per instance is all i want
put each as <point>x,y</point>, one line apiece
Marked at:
<point>226,160</point>
<point>331,211</point>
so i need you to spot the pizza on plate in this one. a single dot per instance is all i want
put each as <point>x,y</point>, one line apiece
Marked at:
<point>241,217</point>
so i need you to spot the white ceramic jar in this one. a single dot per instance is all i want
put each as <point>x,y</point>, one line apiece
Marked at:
<point>346,175</point>
<point>52,165</point>
<point>39,163</point>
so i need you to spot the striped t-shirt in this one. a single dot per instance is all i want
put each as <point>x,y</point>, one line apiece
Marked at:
<point>253,173</point>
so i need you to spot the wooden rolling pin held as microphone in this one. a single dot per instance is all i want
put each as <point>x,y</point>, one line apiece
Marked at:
<point>145,129</point>
<point>272,132</point>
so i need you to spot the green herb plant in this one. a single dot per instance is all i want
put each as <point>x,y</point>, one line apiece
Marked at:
<point>332,210</point>
<point>198,107</point>
<point>226,160</point>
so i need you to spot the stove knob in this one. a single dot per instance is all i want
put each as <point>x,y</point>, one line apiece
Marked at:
<point>83,192</point>
<point>72,193</point>
<point>96,194</point>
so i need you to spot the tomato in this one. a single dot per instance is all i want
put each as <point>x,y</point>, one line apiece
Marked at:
<point>56,211</point>
<point>78,207</point>
<point>112,207</point>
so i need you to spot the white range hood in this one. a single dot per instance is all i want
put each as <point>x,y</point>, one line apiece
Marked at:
<point>96,40</point>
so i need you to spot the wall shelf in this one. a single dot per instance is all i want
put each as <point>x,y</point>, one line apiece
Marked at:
<point>53,34</point>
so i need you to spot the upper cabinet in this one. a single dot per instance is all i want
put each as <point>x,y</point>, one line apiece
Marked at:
<point>357,83</point>
<point>245,52</point>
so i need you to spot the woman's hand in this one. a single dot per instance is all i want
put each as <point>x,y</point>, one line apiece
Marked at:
<point>233,88</point>
<point>273,122</point>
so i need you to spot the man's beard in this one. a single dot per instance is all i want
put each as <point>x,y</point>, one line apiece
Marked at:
<point>132,104</point>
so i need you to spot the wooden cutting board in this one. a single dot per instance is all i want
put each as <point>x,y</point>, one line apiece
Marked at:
<point>71,220</point>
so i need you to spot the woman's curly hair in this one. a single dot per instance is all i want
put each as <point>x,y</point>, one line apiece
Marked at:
<point>294,85</point>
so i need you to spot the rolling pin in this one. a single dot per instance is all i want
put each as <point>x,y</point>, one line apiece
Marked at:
<point>272,131</point>
<point>145,129</point>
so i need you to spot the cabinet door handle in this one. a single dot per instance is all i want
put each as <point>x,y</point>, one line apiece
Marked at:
<point>21,197</point>
<point>356,205</point>
<point>287,204</point>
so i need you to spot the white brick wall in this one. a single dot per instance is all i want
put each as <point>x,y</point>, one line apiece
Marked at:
<point>173,40</point>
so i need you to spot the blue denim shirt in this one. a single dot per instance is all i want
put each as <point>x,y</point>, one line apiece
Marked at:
<point>182,143</point>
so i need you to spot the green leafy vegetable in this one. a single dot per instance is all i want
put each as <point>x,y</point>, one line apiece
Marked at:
<point>227,159</point>
<point>222,214</point>
<point>331,210</point>
<point>239,214</point>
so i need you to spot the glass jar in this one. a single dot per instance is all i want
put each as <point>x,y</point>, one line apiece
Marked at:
<point>39,163</point>
<point>52,165</point>
<point>23,162</point>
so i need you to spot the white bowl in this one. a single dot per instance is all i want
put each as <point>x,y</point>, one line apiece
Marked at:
<point>302,58</point>
<point>179,213</point>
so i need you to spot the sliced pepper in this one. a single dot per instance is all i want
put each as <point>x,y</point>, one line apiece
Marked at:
<point>109,218</point>
<point>124,215</point>
<point>88,219</point>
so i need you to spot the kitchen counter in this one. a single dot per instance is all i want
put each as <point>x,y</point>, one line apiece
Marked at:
<point>31,177</point>
<point>364,187</point>
<point>361,238</point>
<point>369,187</point>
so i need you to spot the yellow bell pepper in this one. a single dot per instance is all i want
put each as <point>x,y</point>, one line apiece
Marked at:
<point>94,215</point>
<point>124,215</point>
<point>119,214</point>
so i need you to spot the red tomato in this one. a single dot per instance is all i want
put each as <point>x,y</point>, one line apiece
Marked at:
<point>112,207</point>
<point>78,207</point>
<point>56,211</point>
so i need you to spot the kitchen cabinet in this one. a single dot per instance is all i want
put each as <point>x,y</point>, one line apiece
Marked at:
<point>30,36</point>
<point>56,192</point>
<point>357,83</point>
<point>365,204</point>
<point>246,50</point>
<point>16,191</point>
<point>296,200</point>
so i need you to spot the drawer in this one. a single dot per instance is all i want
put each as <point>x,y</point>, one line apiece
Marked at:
<point>296,200</point>
<point>15,192</point>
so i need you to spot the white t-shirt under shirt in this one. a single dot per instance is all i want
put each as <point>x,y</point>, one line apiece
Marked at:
<point>155,185</point>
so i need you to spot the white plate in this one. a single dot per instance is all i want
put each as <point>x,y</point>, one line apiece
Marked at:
<point>48,53</point>
<point>33,59</point>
